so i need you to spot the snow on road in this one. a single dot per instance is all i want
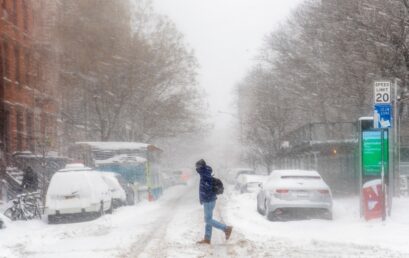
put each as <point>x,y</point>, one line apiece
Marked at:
<point>171,226</point>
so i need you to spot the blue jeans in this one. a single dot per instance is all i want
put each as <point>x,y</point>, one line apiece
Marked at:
<point>210,222</point>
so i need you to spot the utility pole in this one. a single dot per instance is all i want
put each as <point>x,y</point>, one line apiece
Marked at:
<point>396,143</point>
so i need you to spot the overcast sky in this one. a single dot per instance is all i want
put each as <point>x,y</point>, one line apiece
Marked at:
<point>226,36</point>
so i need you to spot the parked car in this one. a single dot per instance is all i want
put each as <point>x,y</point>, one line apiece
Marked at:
<point>234,173</point>
<point>404,178</point>
<point>77,192</point>
<point>74,167</point>
<point>118,193</point>
<point>249,183</point>
<point>294,194</point>
<point>128,188</point>
<point>176,177</point>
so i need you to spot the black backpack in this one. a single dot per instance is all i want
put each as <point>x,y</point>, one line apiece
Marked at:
<point>218,187</point>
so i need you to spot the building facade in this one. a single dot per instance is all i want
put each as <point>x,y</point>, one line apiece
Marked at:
<point>28,108</point>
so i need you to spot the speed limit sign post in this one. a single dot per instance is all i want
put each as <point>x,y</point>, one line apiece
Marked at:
<point>382,105</point>
<point>382,94</point>
<point>383,117</point>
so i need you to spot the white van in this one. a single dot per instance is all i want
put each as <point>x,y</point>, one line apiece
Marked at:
<point>81,192</point>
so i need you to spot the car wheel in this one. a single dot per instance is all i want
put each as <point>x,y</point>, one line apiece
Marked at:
<point>263,211</point>
<point>327,215</point>
<point>258,208</point>
<point>51,219</point>
<point>131,199</point>
<point>109,211</point>
<point>101,209</point>
<point>267,212</point>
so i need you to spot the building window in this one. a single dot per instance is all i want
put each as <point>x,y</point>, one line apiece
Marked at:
<point>17,63</point>
<point>6,132</point>
<point>19,127</point>
<point>14,12</point>
<point>5,14</point>
<point>29,131</point>
<point>27,67</point>
<point>6,59</point>
<point>25,15</point>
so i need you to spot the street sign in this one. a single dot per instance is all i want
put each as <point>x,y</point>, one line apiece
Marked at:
<point>382,92</point>
<point>372,152</point>
<point>382,117</point>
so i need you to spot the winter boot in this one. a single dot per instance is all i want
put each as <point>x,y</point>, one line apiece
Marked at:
<point>204,241</point>
<point>227,232</point>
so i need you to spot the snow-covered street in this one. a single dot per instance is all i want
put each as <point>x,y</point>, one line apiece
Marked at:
<point>171,226</point>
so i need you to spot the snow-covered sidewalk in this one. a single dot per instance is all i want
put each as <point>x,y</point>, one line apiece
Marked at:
<point>346,236</point>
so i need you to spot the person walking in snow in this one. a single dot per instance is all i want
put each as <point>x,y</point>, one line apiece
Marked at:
<point>208,198</point>
<point>30,180</point>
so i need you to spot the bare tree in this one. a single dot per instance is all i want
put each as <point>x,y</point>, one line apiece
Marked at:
<point>126,73</point>
<point>323,62</point>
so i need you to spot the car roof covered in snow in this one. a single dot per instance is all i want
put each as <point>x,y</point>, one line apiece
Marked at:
<point>121,158</point>
<point>74,167</point>
<point>241,169</point>
<point>291,178</point>
<point>119,145</point>
<point>295,172</point>
<point>82,182</point>
<point>254,178</point>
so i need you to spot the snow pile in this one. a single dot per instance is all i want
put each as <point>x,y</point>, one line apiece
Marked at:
<point>116,145</point>
<point>346,234</point>
<point>122,159</point>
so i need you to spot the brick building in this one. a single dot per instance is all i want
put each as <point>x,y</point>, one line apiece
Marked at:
<point>28,111</point>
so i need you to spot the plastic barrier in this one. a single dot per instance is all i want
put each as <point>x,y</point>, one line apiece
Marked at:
<point>372,199</point>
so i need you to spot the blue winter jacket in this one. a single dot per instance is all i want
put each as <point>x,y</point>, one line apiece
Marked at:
<point>206,193</point>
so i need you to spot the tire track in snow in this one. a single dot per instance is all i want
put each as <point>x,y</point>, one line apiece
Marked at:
<point>153,243</point>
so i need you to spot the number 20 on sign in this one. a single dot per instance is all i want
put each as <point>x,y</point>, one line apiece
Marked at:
<point>382,94</point>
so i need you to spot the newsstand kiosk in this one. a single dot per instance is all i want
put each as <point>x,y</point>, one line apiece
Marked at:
<point>374,170</point>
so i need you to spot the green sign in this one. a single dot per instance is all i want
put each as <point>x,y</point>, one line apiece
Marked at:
<point>372,152</point>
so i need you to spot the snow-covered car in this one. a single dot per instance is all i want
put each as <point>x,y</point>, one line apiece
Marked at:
<point>294,193</point>
<point>77,192</point>
<point>128,188</point>
<point>176,177</point>
<point>234,173</point>
<point>117,192</point>
<point>249,183</point>
<point>74,167</point>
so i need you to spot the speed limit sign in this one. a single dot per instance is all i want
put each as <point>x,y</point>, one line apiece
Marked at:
<point>382,93</point>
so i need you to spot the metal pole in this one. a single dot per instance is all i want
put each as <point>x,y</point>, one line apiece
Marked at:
<point>383,175</point>
<point>393,175</point>
<point>360,169</point>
